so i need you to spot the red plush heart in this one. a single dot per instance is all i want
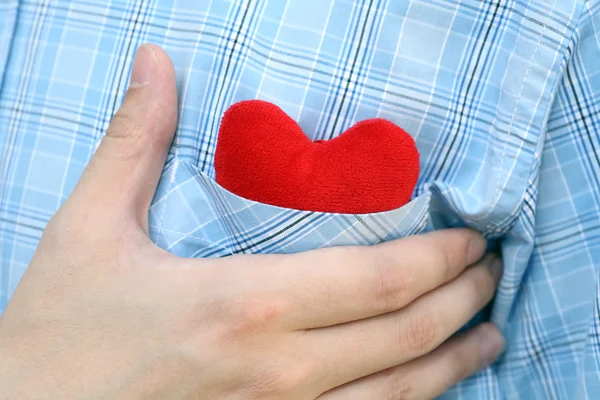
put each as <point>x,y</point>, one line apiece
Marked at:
<point>263,155</point>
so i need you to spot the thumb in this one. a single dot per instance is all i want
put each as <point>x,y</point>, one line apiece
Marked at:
<point>121,177</point>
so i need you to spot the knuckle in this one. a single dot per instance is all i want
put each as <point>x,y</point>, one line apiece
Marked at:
<point>250,316</point>
<point>123,126</point>
<point>392,284</point>
<point>449,260</point>
<point>141,126</point>
<point>483,284</point>
<point>129,136</point>
<point>444,253</point>
<point>266,383</point>
<point>436,253</point>
<point>444,259</point>
<point>397,387</point>
<point>463,363</point>
<point>277,382</point>
<point>419,333</point>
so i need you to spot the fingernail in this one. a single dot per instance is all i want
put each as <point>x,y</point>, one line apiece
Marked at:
<point>491,346</point>
<point>497,267</point>
<point>476,249</point>
<point>144,67</point>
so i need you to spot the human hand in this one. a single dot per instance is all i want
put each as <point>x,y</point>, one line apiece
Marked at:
<point>104,313</point>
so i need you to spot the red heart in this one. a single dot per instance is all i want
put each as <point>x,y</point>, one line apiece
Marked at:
<point>263,155</point>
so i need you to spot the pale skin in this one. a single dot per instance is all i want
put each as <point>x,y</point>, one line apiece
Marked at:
<point>102,313</point>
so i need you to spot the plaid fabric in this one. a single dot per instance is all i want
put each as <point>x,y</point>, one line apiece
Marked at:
<point>502,97</point>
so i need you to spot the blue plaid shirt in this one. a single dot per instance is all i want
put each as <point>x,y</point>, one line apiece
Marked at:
<point>502,97</point>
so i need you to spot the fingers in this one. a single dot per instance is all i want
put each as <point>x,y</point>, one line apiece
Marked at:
<point>347,284</point>
<point>123,173</point>
<point>429,376</point>
<point>382,342</point>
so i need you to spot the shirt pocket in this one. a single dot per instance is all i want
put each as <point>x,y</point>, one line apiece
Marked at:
<point>192,216</point>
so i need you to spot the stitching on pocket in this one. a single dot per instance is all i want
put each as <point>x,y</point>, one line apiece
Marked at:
<point>497,193</point>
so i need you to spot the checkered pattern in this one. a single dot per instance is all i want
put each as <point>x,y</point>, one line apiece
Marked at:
<point>501,96</point>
